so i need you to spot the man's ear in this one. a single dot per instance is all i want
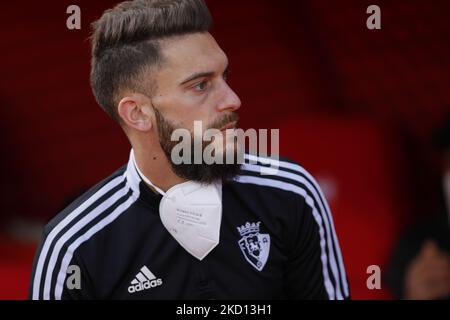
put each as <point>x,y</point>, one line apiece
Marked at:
<point>134,110</point>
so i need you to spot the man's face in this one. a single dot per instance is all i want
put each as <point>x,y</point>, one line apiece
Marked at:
<point>191,86</point>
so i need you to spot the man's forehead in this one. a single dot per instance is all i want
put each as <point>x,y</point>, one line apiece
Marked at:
<point>193,51</point>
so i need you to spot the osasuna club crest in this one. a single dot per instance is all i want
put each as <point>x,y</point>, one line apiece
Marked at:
<point>254,246</point>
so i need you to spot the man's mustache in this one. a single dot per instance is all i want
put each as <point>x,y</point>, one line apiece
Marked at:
<point>224,120</point>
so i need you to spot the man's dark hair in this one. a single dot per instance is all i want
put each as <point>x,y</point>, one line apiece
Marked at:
<point>125,44</point>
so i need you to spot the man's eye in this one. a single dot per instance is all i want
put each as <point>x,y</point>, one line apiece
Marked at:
<point>201,86</point>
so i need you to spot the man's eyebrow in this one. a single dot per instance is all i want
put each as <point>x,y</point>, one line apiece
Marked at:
<point>196,76</point>
<point>201,75</point>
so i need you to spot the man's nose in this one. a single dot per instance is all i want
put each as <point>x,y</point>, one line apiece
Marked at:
<point>230,100</point>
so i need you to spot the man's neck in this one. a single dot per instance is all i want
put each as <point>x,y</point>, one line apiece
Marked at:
<point>155,166</point>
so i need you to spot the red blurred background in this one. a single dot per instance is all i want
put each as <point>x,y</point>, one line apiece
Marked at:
<point>356,107</point>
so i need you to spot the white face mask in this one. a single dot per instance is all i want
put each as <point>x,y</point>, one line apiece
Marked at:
<point>192,214</point>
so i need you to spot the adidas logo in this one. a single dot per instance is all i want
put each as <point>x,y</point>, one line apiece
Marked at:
<point>145,279</point>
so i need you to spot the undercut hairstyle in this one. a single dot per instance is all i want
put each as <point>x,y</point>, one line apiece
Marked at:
<point>126,44</point>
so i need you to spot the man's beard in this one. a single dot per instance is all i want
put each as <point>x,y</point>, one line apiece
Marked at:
<point>203,173</point>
